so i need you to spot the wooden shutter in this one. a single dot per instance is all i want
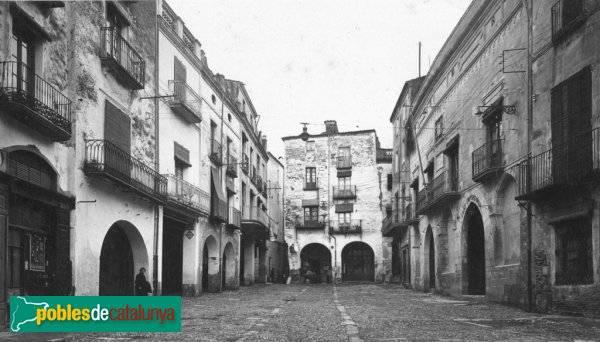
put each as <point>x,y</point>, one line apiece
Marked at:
<point>117,127</point>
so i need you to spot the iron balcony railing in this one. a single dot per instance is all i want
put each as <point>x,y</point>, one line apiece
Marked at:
<point>564,164</point>
<point>232,166</point>
<point>253,174</point>
<point>566,14</point>
<point>353,226</point>
<point>104,158</point>
<point>310,223</point>
<point>384,155</point>
<point>246,164</point>
<point>129,65</point>
<point>185,101</point>
<point>259,183</point>
<point>254,213</point>
<point>216,153</point>
<point>235,217</point>
<point>344,162</point>
<point>219,210</point>
<point>444,184</point>
<point>265,190</point>
<point>187,194</point>
<point>30,98</point>
<point>487,159</point>
<point>345,192</point>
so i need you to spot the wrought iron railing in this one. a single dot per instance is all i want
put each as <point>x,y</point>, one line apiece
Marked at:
<point>185,96</point>
<point>344,162</point>
<point>20,85</point>
<point>446,182</point>
<point>565,14</point>
<point>344,192</point>
<point>187,194</point>
<point>487,157</point>
<point>560,165</point>
<point>246,164</point>
<point>235,217</point>
<point>116,48</point>
<point>353,226</point>
<point>103,157</point>
<point>216,152</point>
<point>254,213</point>
<point>232,166</point>
<point>219,210</point>
<point>308,223</point>
<point>384,155</point>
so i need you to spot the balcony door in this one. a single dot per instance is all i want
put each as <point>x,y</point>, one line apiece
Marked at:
<point>23,53</point>
<point>117,150</point>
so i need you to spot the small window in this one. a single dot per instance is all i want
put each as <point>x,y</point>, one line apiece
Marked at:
<point>390,181</point>
<point>179,168</point>
<point>574,252</point>
<point>311,214</point>
<point>213,99</point>
<point>229,117</point>
<point>310,178</point>
<point>344,183</point>
<point>439,128</point>
<point>310,146</point>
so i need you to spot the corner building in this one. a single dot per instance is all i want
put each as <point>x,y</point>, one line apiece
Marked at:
<point>334,205</point>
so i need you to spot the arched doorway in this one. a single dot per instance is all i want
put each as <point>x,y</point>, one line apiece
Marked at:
<point>228,274</point>
<point>475,251</point>
<point>430,258</point>
<point>315,261</point>
<point>358,262</point>
<point>210,266</point>
<point>123,253</point>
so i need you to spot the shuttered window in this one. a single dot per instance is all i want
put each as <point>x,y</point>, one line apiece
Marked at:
<point>117,127</point>
<point>180,72</point>
<point>571,107</point>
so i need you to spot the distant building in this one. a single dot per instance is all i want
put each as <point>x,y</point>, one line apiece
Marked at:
<point>334,205</point>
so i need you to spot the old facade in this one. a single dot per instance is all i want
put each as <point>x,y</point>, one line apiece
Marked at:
<point>334,189</point>
<point>277,261</point>
<point>501,196</point>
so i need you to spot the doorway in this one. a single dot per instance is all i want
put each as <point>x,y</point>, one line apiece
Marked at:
<point>172,258</point>
<point>358,262</point>
<point>475,252</point>
<point>430,254</point>
<point>315,263</point>
<point>116,264</point>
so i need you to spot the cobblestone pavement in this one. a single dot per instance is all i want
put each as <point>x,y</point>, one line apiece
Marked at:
<point>350,312</point>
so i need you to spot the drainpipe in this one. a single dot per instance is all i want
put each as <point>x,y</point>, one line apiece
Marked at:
<point>156,162</point>
<point>529,8</point>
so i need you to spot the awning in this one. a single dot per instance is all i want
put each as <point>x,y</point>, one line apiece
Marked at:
<point>344,173</point>
<point>216,182</point>
<point>452,144</point>
<point>182,154</point>
<point>310,202</point>
<point>344,208</point>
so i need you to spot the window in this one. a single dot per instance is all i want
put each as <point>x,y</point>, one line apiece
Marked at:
<point>229,117</point>
<point>344,158</point>
<point>310,146</point>
<point>390,181</point>
<point>574,252</point>
<point>213,98</point>
<point>345,219</point>
<point>452,176</point>
<point>179,168</point>
<point>311,214</point>
<point>344,183</point>
<point>439,128</point>
<point>310,178</point>
<point>117,127</point>
<point>23,52</point>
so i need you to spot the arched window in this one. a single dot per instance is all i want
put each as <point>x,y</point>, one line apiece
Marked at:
<point>31,168</point>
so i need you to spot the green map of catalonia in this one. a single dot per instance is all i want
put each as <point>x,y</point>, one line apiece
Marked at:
<point>23,312</point>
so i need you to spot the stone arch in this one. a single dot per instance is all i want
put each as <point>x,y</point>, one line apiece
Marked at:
<point>229,268</point>
<point>416,243</point>
<point>315,263</point>
<point>358,262</point>
<point>211,281</point>
<point>474,256</point>
<point>122,255</point>
<point>507,223</point>
<point>429,254</point>
<point>24,157</point>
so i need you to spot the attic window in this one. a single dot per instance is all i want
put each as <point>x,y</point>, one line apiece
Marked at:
<point>229,117</point>
<point>214,99</point>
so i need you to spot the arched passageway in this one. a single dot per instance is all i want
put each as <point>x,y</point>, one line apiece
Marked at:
<point>358,262</point>
<point>211,281</point>
<point>475,251</point>
<point>315,261</point>
<point>430,258</point>
<point>123,253</point>
<point>228,274</point>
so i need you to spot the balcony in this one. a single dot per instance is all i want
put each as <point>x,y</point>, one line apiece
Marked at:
<point>32,100</point>
<point>246,164</point>
<point>185,101</point>
<point>184,195</point>
<point>384,155</point>
<point>265,191</point>
<point>121,58</point>
<point>409,216</point>
<point>353,226</point>
<point>311,185</point>
<point>347,192</point>
<point>232,166</point>
<point>216,153</point>
<point>390,223</point>
<point>256,222</point>
<point>219,210</point>
<point>567,15</point>
<point>107,160</point>
<point>488,160</point>
<point>253,175</point>
<point>443,189</point>
<point>259,184</point>
<point>315,224</point>
<point>235,218</point>
<point>560,167</point>
<point>344,162</point>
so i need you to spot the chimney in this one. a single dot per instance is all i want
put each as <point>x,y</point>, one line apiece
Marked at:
<point>331,127</point>
<point>264,141</point>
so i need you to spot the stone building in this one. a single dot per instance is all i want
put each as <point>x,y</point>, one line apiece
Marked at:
<point>334,188</point>
<point>501,197</point>
<point>277,261</point>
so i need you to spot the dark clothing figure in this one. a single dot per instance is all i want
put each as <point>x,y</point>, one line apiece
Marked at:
<point>142,286</point>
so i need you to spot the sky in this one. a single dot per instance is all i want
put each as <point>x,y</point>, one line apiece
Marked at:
<point>316,60</point>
